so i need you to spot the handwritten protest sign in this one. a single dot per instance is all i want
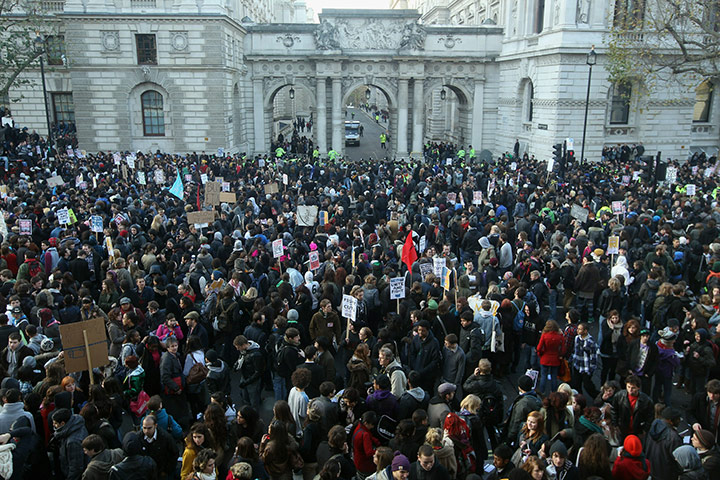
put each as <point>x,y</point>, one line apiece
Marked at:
<point>277,247</point>
<point>197,218</point>
<point>397,288</point>
<point>348,307</point>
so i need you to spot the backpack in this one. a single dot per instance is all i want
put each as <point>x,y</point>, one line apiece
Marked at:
<point>223,322</point>
<point>34,268</point>
<point>659,316</point>
<point>519,320</point>
<point>197,374</point>
<point>257,283</point>
<point>272,348</point>
<point>459,432</point>
<point>491,410</point>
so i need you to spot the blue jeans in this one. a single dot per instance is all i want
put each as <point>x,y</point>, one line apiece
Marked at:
<point>279,387</point>
<point>666,384</point>
<point>552,303</point>
<point>251,394</point>
<point>552,372</point>
<point>529,355</point>
<point>585,302</point>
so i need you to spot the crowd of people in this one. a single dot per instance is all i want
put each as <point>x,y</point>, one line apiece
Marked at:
<point>456,319</point>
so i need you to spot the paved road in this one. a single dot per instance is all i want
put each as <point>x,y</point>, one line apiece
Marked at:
<point>370,141</point>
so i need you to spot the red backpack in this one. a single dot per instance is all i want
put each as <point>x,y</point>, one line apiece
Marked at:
<point>34,267</point>
<point>459,432</point>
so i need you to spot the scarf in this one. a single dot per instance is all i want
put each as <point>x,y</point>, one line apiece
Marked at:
<point>590,425</point>
<point>616,330</point>
<point>205,476</point>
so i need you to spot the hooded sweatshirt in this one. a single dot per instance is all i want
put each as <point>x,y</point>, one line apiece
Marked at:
<point>689,462</point>
<point>661,440</point>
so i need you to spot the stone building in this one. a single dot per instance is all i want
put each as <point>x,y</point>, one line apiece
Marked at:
<point>189,75</point>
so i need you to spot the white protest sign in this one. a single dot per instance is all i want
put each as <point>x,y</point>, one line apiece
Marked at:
<point>613,245</point>
<point>348,307</point>
<point>694,170</point>
<point>397,288</point>
<point>203,178</point>
<point>63,216</point>
<point>141,178</point>
<point>671,175</point>
<point>159,177</point>
<point>578,212</point>
<point>423,243</point>
<point>131,162</point>
<point>307,215</point>
<point>225,186</point>
<point>25,226</point>
<point>116,158</point>
<point>425,270</point>
<point>618,207</point>
<point>314,257</point>
<point>96,224</point>
<point>285,179</point>
<point>477,197</point>
<point>550,165</point>
<point>691,190</point>
<point>277,247</point>
<point>438,265</point>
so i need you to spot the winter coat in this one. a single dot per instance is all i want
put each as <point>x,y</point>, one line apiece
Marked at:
<point>706,360</point>
<point>522,406</point>
<point>170,369</point>
<point>627,467</point>
<point>607,348</point>
<point>668,360</point>
<point>364,445</point>
<point>425,357</point>
<point>651,359</point>
<point>549,348</point>
<point>411,400</point>
<point>69,440</point>
<point>383,402</point>
<point>660,442</point>
<point>472,341</point>
<point>642,416</point>
<point>218,378</point>
<point>587,279</point>
<point>134,467</point>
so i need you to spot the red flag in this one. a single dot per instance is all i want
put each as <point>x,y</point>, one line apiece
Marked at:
<point>198,198</point>
<point>409,255</point>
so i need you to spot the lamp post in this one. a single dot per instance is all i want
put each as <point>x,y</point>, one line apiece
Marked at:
<point>40,43</point>
<point>591,60</point>
<point>443,94</point>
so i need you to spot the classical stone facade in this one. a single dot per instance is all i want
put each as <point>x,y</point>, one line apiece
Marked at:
<point>191,75</point>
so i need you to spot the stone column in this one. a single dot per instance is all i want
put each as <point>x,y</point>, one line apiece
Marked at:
<point>476,126</point>
<point>258,116</point>
<point>321,118</point>
<point>402,144</point>
<point>337,117</point>
<point>418,115</point>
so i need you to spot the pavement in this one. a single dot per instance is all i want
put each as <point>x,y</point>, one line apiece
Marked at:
<point>370,141</point>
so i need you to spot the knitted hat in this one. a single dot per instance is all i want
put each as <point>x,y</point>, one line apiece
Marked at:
<point>525,383</point>
<point>400,463</point>
<point>632,445</point>
<point>446,388</point>
<point>131,444</point>
<point>706,438</point>
<point>432,305</point>
<point>560,448</point>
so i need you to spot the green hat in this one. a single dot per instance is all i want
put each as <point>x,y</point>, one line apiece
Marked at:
<point>716,267</point>
<point>432,304</point>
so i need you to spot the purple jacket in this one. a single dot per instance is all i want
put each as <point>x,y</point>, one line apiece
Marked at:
<point>668,360</point>
<point>383,402</point>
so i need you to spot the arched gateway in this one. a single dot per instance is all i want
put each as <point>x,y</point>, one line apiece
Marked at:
<point>388,50</point>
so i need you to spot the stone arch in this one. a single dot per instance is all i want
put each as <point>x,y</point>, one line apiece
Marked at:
<point>454,123</point>
<point>273,88</point>
<point>385,88</point>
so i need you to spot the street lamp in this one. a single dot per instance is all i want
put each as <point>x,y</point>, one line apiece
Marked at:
<point>292,93</point>
<point>367,94</point>
<point>40,44</point>
<point>443,94</point>
<point>591,60</point>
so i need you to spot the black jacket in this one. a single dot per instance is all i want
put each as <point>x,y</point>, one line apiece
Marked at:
<point>651,360</point>
<point>660,442</point>
<point>425,358</point>
<point>699,412</point>
<point>253,365</point>
<point>642,417</point>
<point>485,387</point>
<point>437,472</point>
<point>69,440</point>
<point>170,368</point>
<point>163,450</point>
<point>288,358</point>
<point>134,467</point>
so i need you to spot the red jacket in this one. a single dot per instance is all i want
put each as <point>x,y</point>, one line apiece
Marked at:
<point>550,348</point>
<point>631,468</point>
<point>364,445</point>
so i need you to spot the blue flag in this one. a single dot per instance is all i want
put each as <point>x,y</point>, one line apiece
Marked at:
<point>177,187</point>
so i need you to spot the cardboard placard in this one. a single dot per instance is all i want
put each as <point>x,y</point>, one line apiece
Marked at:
<point>212,193</point>
<point>56,181</point>
<point>277,246</point>
<point>76,353</point>
<point>227,197</point>
<point>578,212</point>
<point>314,260</point>
<point>691,189</point>
<point>618,207</point>
<point>63,216</point>
<point>426,269</point>
<point>307,215</point>
<point>271,188</point>
<point>25,226</point>
<point>477,197</point>
<point>397,288</point>
<point>348,307</point>
<point>613,245</point>
<point>96,224</point>
<point>200,217</point>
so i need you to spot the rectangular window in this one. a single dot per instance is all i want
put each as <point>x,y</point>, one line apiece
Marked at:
<point>539,16</point>
<point>620,108</point>
<point>703,99</point>
<point>55,49</point>
<point>63,107</point>
<point>146,49</point>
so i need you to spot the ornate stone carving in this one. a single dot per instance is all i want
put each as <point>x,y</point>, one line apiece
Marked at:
<point>326,36</point>
<point>179,41</point>
<point>110,40</point>
<point>556,13</point>
<point>582,15</point>
<point>146,72</point>
<point>288,40</point>
<point>413,37</point>
<point>450,41</point>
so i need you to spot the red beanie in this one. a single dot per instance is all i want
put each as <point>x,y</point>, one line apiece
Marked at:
<point>632,445</point>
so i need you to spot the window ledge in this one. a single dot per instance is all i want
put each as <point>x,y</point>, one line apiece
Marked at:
<point>619,130</point>
<point>702,127</point>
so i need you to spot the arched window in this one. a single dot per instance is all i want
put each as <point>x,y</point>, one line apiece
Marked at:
<point>703,100</point>
<point>153,114</point>
<point>620,104</point>
<point>528,95</point>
